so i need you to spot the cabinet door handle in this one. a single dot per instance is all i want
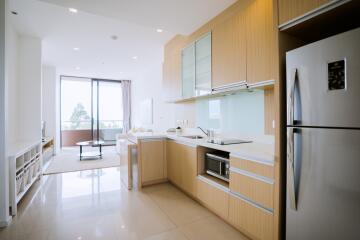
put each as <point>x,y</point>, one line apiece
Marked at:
<point>291,169</point>
<point>291,100</point>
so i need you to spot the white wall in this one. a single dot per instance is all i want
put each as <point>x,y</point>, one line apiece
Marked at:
<point>4,167</point>
<point>57,112</point>
<point>147,86</point>
<point>165,114</point>
<point>12,90</point>
<point>29,89</point>
<point>49,99</point>
<point>20,97</point>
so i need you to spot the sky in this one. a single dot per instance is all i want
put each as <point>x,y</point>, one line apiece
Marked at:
<point>79,91</point>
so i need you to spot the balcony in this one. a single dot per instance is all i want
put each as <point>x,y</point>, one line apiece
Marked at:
<point>77,131</point>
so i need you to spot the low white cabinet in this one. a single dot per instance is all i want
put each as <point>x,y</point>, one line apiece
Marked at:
<point>25,165</point>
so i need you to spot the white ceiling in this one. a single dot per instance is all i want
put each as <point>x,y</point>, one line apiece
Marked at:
<point>133,21</point>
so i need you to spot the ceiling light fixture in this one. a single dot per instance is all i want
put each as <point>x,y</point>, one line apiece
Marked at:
<point>77,68</point>
<point>76,49</point>
<point>135,57</point>
<point>159,30</point>
<point>73,10</point>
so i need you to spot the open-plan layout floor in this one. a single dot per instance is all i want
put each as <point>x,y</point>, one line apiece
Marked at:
<point>93,204</point>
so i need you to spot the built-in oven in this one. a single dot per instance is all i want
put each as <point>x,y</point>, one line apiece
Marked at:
<point>217,164</point>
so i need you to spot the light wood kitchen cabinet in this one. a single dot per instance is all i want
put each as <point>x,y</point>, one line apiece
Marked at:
<point>172,68</point>
<point>152,161</point>
<point>229,51</point>
<point>214,198</point>
<point>261,41</point>
<point>263,169</point>
<point>255,189</point>
<point>173,162</point>
<point>188,169</point>
<point>254,221</point>
<point>291,9</point>
<point>182,166</point>
<point>253,180</point>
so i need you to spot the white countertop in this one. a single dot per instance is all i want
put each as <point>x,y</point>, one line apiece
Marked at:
<point>255,151</point>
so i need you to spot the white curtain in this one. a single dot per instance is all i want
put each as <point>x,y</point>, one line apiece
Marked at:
<point>126,98</point>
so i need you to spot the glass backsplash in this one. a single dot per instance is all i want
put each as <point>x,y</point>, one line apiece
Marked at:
<point>240,113</point>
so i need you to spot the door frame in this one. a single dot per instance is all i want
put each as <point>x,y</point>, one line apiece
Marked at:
<point>97,80</point>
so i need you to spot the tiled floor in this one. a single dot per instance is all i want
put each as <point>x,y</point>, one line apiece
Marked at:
<point>94,205</point>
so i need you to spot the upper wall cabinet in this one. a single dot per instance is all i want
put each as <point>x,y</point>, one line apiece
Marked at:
<point>196,68</point>
<point>188,71</point>
<point>172,68</point>
<point>261,42</point>
<point>229,52</point>
<point>291,9</point>
<point>241,47</point>
<point>203,65</point>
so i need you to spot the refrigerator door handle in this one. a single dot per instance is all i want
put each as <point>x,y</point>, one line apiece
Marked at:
<point>291,168</point>
<point>291,98</point>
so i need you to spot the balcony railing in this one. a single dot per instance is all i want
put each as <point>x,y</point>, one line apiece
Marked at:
<point>77,131</point>
<point>86,124</point>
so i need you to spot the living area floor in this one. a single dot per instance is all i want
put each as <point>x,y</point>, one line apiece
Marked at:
<point>93,204</point>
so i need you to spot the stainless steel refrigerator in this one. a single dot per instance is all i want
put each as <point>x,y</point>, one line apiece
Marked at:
<point>323,139</point>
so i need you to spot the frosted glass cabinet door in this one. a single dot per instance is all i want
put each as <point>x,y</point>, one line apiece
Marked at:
<point>188,71</point>
<point>203,65</point>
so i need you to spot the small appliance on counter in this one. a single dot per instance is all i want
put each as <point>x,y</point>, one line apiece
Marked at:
<point>178,131</point>
<point>217,164</point>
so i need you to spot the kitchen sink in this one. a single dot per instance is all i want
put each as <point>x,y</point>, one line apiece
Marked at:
<point>194,137</point>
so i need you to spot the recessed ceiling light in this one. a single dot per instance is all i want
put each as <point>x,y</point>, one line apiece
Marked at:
<point>135,57</point>
<point>159,30</point>
<point>73,10</point>
<point>77,68</point>
<point>76,49</point>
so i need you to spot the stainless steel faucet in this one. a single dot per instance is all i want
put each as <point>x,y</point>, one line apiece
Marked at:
<point>209,133</point>
<point>206,133</point>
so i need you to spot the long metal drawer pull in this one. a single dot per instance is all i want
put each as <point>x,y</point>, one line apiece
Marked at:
<point>291,169</point>
<point>252,203</point>
<point>214,184</point>
<point>252,175</point>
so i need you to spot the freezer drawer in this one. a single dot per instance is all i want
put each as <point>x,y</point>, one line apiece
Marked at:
<point>323,188</point>
<point>323,82</point>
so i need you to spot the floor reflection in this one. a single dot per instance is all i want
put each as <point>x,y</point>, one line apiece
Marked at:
<point>89,182</point>
<point>94,204</point>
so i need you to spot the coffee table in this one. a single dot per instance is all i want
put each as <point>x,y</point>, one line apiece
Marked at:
<point>90,155</point>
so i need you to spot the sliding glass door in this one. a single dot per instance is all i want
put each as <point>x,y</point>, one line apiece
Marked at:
<point>76,110</point>
<point>108,110</point>
<point>91,109</point>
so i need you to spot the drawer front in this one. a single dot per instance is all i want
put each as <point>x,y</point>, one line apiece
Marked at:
<point>263,169</point>
<point>214,198</point>
<point>255,189</point>
<point>257,223</point>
